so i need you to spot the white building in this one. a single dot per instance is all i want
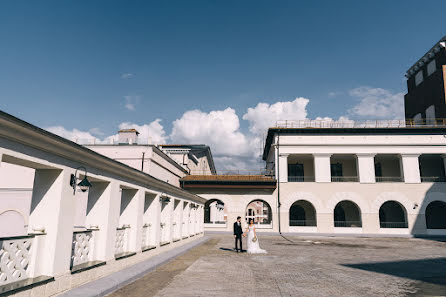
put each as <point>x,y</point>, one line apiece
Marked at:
<point>374,178</point>
<point>55,236</point>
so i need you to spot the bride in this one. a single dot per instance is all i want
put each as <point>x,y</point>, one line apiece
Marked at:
<point>253,241</point>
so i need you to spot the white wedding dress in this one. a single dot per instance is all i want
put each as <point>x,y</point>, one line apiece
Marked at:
<point>253,247</point>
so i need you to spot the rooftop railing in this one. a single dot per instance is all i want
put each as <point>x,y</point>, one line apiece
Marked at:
<point>361,124</point>
<point>251,172</point>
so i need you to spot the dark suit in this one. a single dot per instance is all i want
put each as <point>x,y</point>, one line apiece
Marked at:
<point>238,235</point>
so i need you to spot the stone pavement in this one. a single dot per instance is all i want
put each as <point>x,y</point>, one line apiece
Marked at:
<point>298,266</point>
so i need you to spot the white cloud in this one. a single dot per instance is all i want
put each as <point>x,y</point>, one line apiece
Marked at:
<point>127,75</point>
<point>219,129</point>
<point>377,103</point>
<point>73,135</point>
<point>131,101</point>
<point>152,132</point>
<point>265,115</point>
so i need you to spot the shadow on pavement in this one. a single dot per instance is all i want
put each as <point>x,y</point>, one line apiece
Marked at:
<point>425,270</point>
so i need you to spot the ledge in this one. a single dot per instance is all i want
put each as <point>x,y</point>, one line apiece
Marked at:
<point>124,255</point>
<point>185,237</point>
<point>148,248</point>
<point>177,239</point>
<point>164,243</point>
<point>25,284</point>
<point>86,266</point>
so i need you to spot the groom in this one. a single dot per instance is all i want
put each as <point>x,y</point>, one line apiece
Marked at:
<point>238,232</point>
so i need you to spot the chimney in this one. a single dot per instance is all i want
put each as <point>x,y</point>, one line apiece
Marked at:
<point>128,136</point>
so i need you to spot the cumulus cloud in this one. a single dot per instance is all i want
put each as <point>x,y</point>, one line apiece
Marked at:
<point>377,103</point>
<point>126,75</point>
<point>131,101</point>
<point>153,132</point>
<point>73,135</point>
<point>219,129</point>
<point>232,148</point>
<point>265,115</point>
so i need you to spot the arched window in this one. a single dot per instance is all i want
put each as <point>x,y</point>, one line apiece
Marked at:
<point>392,215</point>
<point>302,213</point>
<point>347,214</point>
<point>214,212</point>
<point>260,212</point>
<point>436,215</point>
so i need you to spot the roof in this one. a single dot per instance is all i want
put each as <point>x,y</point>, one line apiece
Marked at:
<point>229,181</point>
<point>18,130</point>
<point>427,57</point>
<point>202,147</point>
<point>409,130</point>
<point>128,130</point>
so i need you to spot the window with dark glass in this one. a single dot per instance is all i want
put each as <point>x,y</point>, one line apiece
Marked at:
<point>336,169</point>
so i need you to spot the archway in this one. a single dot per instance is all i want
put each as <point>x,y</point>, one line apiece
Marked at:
<point>214,212</point>
<point>347,214</point>
<point>302,213</point>
<point>392,215</point>
<point>436,215</point>
<point>260,212</point>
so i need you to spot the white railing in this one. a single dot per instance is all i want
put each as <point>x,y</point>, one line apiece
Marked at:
<point>15,258</point>
<point>82,248</point>
<point>359,124</point>
<point>176,231</point>
<point>145,235</point>
<point>164,235</point>
<point>121,240</point>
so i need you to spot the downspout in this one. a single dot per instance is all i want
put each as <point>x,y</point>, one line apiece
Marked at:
<point>278,181</point>
<point>142,162</point>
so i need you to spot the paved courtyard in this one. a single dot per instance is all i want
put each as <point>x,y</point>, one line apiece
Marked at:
<point>298,266</point>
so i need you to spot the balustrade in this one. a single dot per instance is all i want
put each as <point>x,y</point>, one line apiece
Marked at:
<point>82,248</point>
<point>15,259</point>
<point>121,240</point>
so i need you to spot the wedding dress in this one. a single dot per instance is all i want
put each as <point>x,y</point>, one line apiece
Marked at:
<point>253,247</point>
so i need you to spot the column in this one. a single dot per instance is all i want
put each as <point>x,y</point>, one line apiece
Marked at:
<point>103,212</point>
<point>411,168</point>
<point>283,168</point>
<point>52,207</point>
<point>442,156</point>
<point>366,168</point>
<point>132,208</point>
<point>322,171</point>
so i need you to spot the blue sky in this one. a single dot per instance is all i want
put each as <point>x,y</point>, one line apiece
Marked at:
<point>93,65</point>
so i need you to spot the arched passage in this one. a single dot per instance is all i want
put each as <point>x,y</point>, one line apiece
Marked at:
<point>302,213</point>
<point>392,215</point>
<point>436,215</point>
<point>260,212</point>
<point>214,212</point>
<point>347,214</point>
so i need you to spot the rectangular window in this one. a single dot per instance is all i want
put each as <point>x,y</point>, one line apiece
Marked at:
<point>336,169</point>
<point>431,67</point>
<point>378,170</point>
<point>419,77</point>
<point>296,170</point>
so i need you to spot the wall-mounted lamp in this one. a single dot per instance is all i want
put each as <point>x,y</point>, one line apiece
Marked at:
<point>84,185</point>
<point>164,198</point>
<point>415,205</point>
<point>220,206</point>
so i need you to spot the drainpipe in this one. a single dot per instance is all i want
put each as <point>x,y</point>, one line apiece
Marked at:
<point>142,162</point>
<point>278,181</point>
